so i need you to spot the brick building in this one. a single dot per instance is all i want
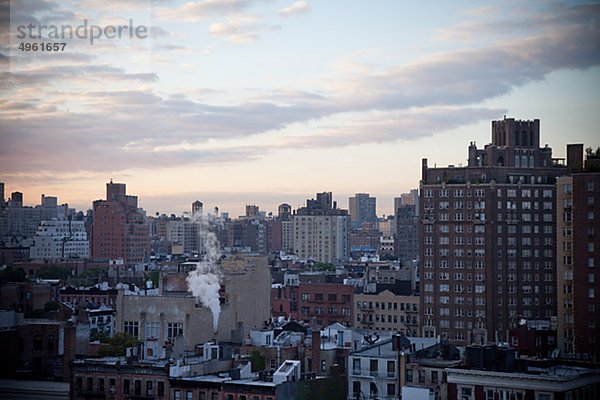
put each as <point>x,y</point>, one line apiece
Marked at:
<point>578,283</point>
<point>120,229</point>
<point>326,303</point>
<point>488,239</point>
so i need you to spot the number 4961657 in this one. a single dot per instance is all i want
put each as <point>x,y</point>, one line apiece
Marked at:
<point>42,46</point>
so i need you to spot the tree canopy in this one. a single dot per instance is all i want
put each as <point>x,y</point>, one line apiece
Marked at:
<point>118,344</point>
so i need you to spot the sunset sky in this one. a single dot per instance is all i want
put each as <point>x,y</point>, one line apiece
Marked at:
<point>237,102</point>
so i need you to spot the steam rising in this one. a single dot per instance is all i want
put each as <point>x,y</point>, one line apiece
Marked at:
<point>204,282</point>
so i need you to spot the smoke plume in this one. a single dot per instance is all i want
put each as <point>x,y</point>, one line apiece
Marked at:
<point>205,281</point>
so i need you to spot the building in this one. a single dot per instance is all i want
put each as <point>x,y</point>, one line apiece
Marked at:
<point>374,371</point>
<point>60,239</point>
<point>407,232</point>
<point>39,348</point>
<point>320,231</point>
<point>119,378</point>
<point>387,310</point>
<point>495,373</point>
<point>120,229</point>
<point>578,284</point>
<point>488,240</point>
<point>362,208</point>
<point>244,299</point>
<point>325,303</point>
<point>19,221</point>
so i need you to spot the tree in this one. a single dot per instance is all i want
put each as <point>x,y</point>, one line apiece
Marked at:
<point>52,305</point>
<point>11,274</point>
<point>118,344</point>
<point>257,360</point>
<point>54,272</point>
<point>320,266</point>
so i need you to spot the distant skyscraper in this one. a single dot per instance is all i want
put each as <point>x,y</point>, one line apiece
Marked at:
<point>197,207</point>
<point>320,230</point>
<point>16,199</point>
<point>120,229</point>
<point>2,199</point>
<point>284,211</point>
<point>362,208</point>
<point>488,240</point>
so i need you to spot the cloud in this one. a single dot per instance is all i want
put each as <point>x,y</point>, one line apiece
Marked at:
<point>99,117</point>
<point>195,11</point>
<point>296,8</point>
<point>240,29</point>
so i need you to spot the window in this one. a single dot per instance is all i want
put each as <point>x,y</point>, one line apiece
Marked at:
<point>177,395</point>
<point>138,388</point>
<point>152,329</point>
<point>421,376</point>
<point>466,393</point>
<point>149,388</point>
<point>174,329</point>
<point>189,395</point>
<point>160,388</point>
<point>356,366</point>
<point>391,389</point>
<point>434,376</point>
<point>126,389</point>
<point>132,327</point>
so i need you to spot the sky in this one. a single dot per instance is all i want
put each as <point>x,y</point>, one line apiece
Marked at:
<point>237,102</point>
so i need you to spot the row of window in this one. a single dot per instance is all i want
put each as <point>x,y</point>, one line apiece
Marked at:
<point>153,329</point>
<point>525,193</point>
<point>129,386</point>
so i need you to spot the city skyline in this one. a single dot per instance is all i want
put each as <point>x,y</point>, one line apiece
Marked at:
<point>251,102</point>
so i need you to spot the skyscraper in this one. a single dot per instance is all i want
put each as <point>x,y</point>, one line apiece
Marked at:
<point>120,229</point>
<point>488,240</point>
<point>320,230</point>
<point>578,284</point>
<point>362,208</point>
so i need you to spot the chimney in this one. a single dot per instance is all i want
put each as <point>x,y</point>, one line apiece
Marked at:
<point>316,351</point>
<point>575,157</point>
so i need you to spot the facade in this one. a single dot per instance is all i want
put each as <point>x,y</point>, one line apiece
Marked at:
<point>325,303</point>
<point>578,286</point>
<point>118,378</point>
<point>60,239</point>
<point>488,240</point>
<point>120,228</point>
<point>407,232</point>
<point>373,372</point>
<point>362,208</point>
<point>84,297</point>
<point>320,231</point>
<point>244,298</point>
<point>387,311</point>
<point>17,220</point>
<point>558,382</point>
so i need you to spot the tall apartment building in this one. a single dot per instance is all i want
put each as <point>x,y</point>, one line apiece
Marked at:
<point>320,230</point>
<point>60,239</point>
<point>120,229</point>
<point>578,283</point>
<point>19,221</point>
<point>362,208</point>
<point>488,240</point>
